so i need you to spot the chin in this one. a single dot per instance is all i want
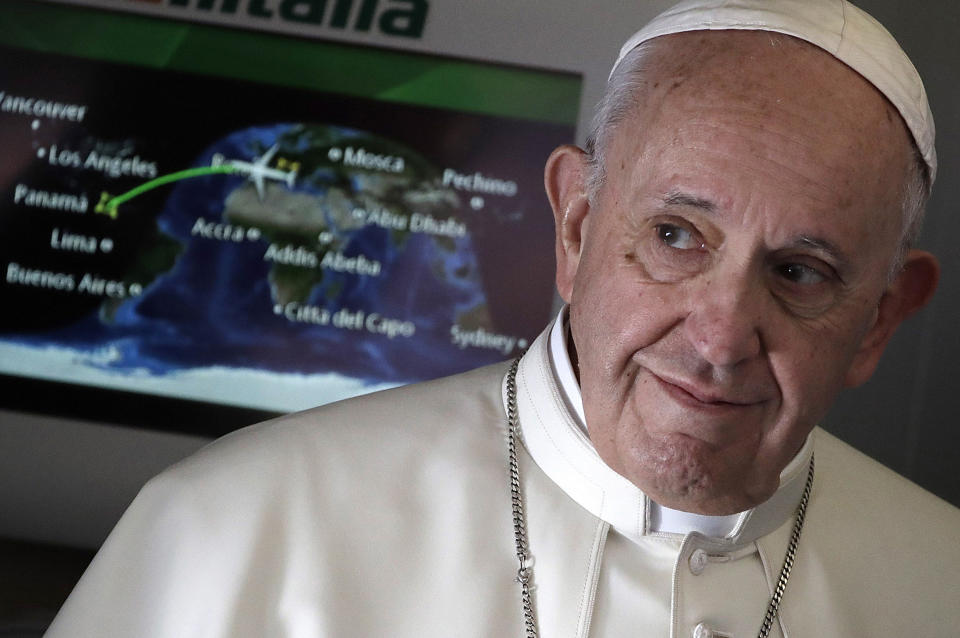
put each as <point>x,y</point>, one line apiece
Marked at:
<point>693,478</point>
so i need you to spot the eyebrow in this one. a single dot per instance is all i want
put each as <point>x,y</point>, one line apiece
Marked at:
<point>676,198</point>
<point>679,198</point>
<point>824,245</point>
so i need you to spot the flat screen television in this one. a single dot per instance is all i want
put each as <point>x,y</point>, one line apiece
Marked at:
<point>201,226</point>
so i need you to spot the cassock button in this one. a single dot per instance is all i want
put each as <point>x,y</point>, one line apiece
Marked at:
<point>703,630</point>
<point>698,562</point>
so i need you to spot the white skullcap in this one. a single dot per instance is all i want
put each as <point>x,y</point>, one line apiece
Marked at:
<point>836,26</point>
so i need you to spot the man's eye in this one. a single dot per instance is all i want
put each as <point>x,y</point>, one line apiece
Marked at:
<point>677,237</point>
<point>801,274</point>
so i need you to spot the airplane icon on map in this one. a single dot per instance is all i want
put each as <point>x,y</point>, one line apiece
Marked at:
<point>259,169</point>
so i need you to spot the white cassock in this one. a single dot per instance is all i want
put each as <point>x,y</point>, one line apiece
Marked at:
<point>389,515</point>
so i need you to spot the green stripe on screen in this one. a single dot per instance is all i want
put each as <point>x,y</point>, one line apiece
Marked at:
<point>391,76</point>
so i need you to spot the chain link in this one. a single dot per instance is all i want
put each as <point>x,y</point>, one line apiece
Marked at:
<point>525,571</point>
<point>788,560</point>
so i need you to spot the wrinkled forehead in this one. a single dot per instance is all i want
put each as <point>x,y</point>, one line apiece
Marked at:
<point>722,111</point>
<point>773,73</point>
<point>837,27</point>
<point>780,82</point>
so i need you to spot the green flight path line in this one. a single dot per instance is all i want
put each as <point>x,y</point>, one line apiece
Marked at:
<point>110,206</point>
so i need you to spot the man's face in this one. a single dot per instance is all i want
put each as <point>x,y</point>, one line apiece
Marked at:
<point>727,278</point>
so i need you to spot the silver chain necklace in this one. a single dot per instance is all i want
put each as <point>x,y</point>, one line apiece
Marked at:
<point>525,571</point>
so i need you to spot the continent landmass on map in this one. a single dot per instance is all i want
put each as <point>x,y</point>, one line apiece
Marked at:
<point>154,259</point>
<point>206,301</point>
<point>334,201</point>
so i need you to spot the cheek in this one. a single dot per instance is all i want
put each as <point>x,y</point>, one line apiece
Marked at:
<point>615,297</point>
<point>810,375</point>
<point>615,318</point>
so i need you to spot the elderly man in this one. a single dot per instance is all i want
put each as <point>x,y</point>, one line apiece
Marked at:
<point>734,246</point>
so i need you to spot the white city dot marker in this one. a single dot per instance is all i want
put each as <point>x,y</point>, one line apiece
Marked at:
<point>106,245</point>
<point>41,152</point>
<point>35,125</point>
<point>334,154</point>
<point>476,203</point>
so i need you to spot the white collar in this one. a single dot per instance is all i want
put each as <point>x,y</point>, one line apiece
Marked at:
<point>554,432</point>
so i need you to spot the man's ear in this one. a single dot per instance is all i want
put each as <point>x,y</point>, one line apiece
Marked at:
<point>910,291</point>
<point>565,182</point>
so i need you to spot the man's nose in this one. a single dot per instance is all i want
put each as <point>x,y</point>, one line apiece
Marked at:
<point>724,321</point>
